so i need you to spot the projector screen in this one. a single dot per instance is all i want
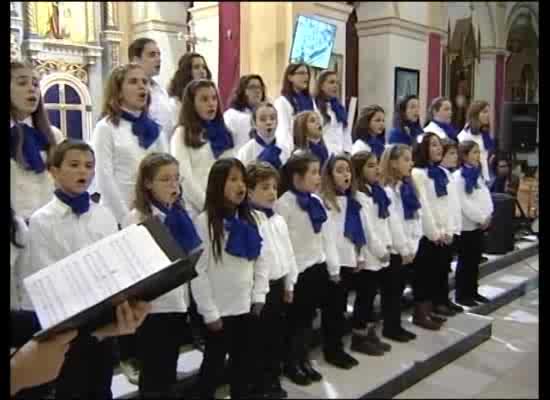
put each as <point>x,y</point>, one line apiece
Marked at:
<point>313,42</point>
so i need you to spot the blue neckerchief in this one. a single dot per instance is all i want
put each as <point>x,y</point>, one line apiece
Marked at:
<point>244,239</point>
<point>471,176</point>
<point>449,129</point>
<point>377,144</point>
<point>180,225</point>
<point>414,129</point>
<point>79,204</point>
<point>339,111</point>
<point>320,150</point>
<point>270,153</point>
<point>409,199</point>
<point>267,211</point>
<point>302,102</point>
<point>440,180</point>
<point>218,135</point>
<point>313,207</point>
<point>399,136</point>
<point>353,227</point>
<point>488,141</point>
<point>381,199</point>
<point>146,130</point>
<point>34,142</point>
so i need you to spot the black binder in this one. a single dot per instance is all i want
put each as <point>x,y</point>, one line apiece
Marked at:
<point>181,270</point>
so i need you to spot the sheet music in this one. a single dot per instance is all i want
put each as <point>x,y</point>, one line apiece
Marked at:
<point>93,274</point>
<point>352,108</point>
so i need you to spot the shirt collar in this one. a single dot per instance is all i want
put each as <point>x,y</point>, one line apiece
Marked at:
<point>26,121</point>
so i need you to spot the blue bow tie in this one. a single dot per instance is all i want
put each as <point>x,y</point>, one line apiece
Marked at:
<point>180,225</point>
<point>353,227</point>
<point>471,176</point>
<point>440,180</point>
<point>313,207</point>
<point>270,153</point>
<point>244,239</point>
<point>381,199</point>
<point>34,142</point>
<point>79,204</point>
<point>302,102</point>
<point>339,111</point>
<point>409,199</point>
<point>218,135</point>
<point>146,130</point>
<point>320,150</point>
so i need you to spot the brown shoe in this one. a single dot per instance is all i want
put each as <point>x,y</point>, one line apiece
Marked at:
<point>421,317</point>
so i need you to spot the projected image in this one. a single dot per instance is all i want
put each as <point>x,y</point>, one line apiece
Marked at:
<point>313,42</point>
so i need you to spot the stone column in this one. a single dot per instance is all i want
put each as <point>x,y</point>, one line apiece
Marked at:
<point>489,84</point>
<point>16,29</point>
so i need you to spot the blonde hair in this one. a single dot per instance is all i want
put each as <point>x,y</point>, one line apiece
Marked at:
<point>389,175</point>
<point>328,188</point>
<point>300,130</point>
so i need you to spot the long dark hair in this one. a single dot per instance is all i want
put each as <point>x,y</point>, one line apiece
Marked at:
<point>238,99</point>
<point>13,230</point>
<point>358,161</point>
<point>39,119</point>
<point>361,129</point>
<point>328,187</point>
<point>297,164</point>
<point>400,115</point>
<point>422,152</point>
<point>215,204</point>
<point>473,121</point>
<point>320,97</point>
<point>184,74</point>
<point>287,90</point>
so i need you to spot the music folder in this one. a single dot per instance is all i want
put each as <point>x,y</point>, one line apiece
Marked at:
<point>141,262</point>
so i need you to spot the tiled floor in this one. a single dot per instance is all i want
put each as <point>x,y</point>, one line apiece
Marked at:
<point>506,366</point>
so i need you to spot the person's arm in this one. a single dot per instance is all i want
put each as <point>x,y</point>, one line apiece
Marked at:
<point>399,239</point>
<point>283,133</point>
<point>329,245</point>
<point>262,265</point>
<point>468,202</point>
<point>128,319</point>
<point>429,224</point>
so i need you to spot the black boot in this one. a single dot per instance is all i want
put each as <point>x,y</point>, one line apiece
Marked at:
<point>376,339</point>
<point>296,374</point>
<point>311,373</point>
<point>365,345</point>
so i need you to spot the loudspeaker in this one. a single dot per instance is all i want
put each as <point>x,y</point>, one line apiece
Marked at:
<point>518,127</point>
<point>499,238</point>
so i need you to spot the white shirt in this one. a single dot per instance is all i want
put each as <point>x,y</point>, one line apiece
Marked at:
<point>16,283</point>
<point>406,233</point>
<point>28,190</point>
<point>55,232</point>
<point>434,128</point>
<point>466,134</point>
<point>252,149</point>
<point>455,215</point>
<point>379,239</point>
<point>118,155</point>
<point>195,164</point>
<point>310,248</point>
<point>285,122</point>
<point>336,137</point>
<point>477,206</point>
<point>360,145</point>
<point>240,124</point>
<point>177,299</point>
<point>163,109</point>
<point>277,248</point>
<point>230,286</point>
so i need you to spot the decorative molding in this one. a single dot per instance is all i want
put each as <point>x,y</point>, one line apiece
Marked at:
<point>47,67</point>
<point>333,9</point>
<point>157,25</point>
<point>396,26</point>
<point>111,19</point>
<point>52,49</point>
<point>15,49</point>
<point>29,18</point>
<point>90,22</point>
<point>112,36</point>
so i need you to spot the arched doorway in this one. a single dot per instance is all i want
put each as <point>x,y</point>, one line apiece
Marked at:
<point>69,105</point>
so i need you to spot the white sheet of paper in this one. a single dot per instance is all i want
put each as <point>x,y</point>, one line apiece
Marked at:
<point>93,274</point>
<point>352,108</point>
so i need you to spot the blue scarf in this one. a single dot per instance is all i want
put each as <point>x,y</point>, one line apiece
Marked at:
<point>353,228</point>
<point>267,211</point>
<point>320,150</point>
<point>180,226</point>
<point>219,137</point>
<point>244,239</point>
<point>34,142</point>
<point>440,180</point>
<point>381,199</point>
<point>414,129</point>
<point>409,199</point>
<point>79,204</point>
<point>146,130</point>
<point>339,111</point>
<point>313,207</point>
<point>302,102</point>
<point>450,130</point>
<point>270,153</point>
<point>377,144</point>
<point>471,176</point>
<point>488,141</point>
<point>399,136</point>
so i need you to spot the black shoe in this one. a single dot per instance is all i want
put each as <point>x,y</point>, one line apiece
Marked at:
<point>484,259</point>
<point>481,299</point>
<point>397,336</point>
<point>366,345</point>
<point>312,374</point>
<point>296,374</point>
<point>468,302</point>
<point>407,333</point>
<point>444,310</point>
<point>275,391</point>
<point>454,307</point>
<point>338,359</point>
<point>437,318</point>
<point>374,337</point>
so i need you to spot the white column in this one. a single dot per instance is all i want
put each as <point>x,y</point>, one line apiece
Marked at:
<point>485,83</point>
<point>206,15</point>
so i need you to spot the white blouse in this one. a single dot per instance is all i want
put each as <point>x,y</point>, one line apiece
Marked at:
<point>285,122</point>
<point>163,109</point>
<point>477,206</point>
<point>16,283</point>
<point>336,137</point>
<point>118,155</point>
<point>466,134</point>
<point>240,124</point>
<point>434,128</point>
<point>252,149</point>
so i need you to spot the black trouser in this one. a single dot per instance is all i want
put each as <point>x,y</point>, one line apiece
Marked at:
<point>87,372</point>
<point>269,336</point>
<point>441,295</point>
<point>430,269</point>
<point>233,339</point>
<point>392,284</point>
<point>352,280</point>
<point>127,347</point>
<point>469,258</point>
<point>159,340</point>
<point>315,290</point>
